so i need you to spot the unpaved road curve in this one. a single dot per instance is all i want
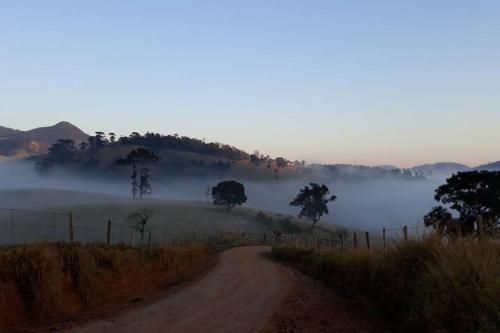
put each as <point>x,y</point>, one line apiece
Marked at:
<point>239,295</point>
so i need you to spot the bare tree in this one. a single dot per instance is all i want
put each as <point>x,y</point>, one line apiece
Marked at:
<point>139,218</point>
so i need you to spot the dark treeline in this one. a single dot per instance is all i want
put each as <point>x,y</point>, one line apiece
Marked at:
<point>157,141</point>
<point>210,159</point>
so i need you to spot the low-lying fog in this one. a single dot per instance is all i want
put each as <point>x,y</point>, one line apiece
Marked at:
<point>368,205</point>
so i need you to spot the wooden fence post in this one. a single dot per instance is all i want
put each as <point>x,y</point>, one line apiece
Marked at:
<point>149,237</point>
<point>108,233</point>
<point>367,235</point>
<point>355,240</point>
<point>12,226</point>
<point>71,229</point>
<point>383,237</point>
<point>341,243</point>
<point>480,226</point>
<point>405,233</point>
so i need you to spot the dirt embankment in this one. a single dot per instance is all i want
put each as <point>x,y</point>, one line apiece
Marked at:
<point>53,282</point>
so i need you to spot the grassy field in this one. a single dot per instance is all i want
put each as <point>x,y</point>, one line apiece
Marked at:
<point>92,211</point>
<point>418,286</point>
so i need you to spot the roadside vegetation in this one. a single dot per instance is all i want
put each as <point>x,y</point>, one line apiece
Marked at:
<point>418,286</point>
<point>448,281</point>
<point>46,282</point>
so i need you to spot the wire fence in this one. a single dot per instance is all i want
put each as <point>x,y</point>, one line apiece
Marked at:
<point>18,226</point>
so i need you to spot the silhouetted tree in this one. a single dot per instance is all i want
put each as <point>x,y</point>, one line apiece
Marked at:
<point>83,146</point>
<point>112,137</point>
<point>437,218</point>
<point>229,193</point>
<point>140,158</point>
<point>313,201</point>
<point>473,193</point>
<point>60,153</point>
<point>281,162</point>
<point>91,144</point>
<point>100,140</point>
<point>139,218</point>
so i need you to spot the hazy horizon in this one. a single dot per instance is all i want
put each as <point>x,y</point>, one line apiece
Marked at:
<point>373,83</point>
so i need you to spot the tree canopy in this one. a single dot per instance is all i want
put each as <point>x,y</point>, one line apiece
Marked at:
<point>229,193</point>
<point>313,200</point>
<point>471,194</point>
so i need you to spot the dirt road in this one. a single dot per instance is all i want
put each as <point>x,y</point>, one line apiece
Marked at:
<point>239,295</point>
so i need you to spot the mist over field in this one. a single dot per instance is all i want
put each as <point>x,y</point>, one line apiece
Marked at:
<point>367,204</point>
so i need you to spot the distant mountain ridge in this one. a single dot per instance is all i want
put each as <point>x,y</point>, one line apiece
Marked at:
<point>493,166</point>
<point>452,167</point>
<point>16,143</point>
<point>5,131</point>
<point>440,168</point>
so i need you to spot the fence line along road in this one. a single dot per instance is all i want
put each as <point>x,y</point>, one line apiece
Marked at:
<point>18,226</point>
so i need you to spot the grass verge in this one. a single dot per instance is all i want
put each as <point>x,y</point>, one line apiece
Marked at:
<point>418,286</point>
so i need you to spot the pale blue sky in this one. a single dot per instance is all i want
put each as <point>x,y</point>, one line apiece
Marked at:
<point>372,82</point>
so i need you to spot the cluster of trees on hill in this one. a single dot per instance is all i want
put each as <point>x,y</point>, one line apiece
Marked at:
<point>86,156</point>
<point>157,141</point>
<point>60,153</point>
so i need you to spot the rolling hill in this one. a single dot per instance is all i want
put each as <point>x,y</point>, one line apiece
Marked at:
<point>493,166</point>
<point>440,168</point>
<point>16,143</point>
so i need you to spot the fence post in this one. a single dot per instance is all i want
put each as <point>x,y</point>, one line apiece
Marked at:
<point>12,226</point>
<point>405,233</point>
<point>367,235</point>
<point>480,226</point>
<point>355,240</point>
<point>149,237</point>
<point>108,233</point>
<point>383,237</point>
<point>53,226</point>
<point>71,228</point>
<point>341,243</point>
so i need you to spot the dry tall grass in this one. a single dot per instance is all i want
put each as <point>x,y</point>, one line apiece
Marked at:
<point>420,286</point>
<point>51,281</point>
